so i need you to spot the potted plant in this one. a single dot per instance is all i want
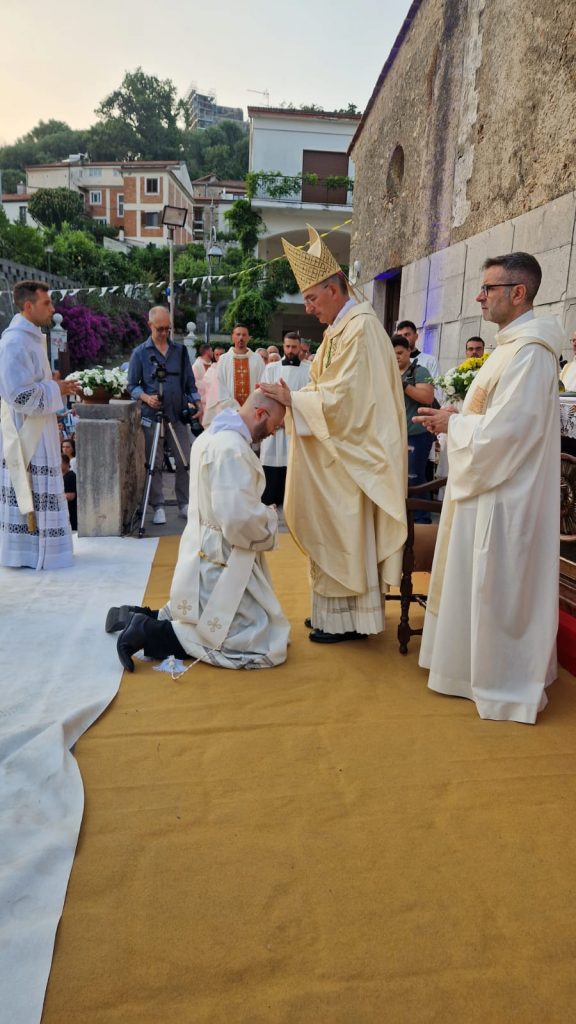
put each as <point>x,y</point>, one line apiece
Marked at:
<point>99,384</point>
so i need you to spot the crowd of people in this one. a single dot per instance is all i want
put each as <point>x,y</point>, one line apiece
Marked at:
<point>334,439</point>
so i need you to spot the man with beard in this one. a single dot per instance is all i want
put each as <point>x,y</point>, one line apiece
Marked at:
<point>222,608</point>
<point>229,381</point>
<point>492,610</point>
<point>346,483</point>
<point>34,522</point>
<point>274,449</point>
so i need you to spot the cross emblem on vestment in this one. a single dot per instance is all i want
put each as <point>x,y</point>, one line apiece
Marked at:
<point>184,607</point>
<point>214,625</point>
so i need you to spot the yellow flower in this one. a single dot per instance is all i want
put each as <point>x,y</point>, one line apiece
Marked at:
<point>474,364</point>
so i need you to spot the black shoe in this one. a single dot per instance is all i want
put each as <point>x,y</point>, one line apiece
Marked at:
<point>318,636</point>
<point>131,639</point>
<point>308,623</point>
<point>118,618</point>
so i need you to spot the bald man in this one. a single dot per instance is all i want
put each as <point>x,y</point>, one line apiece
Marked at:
<point>159,352</point>
<point>222,608</point>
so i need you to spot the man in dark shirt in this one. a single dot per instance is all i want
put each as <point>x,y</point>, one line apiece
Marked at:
<point>179,391</point>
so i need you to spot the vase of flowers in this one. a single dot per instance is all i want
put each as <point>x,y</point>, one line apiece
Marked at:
<point>99,385</point>
<point>456,382</point>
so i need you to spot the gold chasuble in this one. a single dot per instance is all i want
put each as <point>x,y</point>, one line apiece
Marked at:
<point>347,471</point>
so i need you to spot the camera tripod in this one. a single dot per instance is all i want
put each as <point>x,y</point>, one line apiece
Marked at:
<point>161,421</point>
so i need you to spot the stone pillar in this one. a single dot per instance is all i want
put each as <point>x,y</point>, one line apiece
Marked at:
<point>109,467</point>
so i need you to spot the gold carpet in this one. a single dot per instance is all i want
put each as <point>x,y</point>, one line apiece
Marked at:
<point>327,842</point>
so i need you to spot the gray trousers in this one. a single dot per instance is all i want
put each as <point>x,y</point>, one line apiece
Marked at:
<point>182,432</point>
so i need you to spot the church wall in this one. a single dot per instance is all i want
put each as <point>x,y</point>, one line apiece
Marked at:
<point>439,291</point>
<point>481,96</point>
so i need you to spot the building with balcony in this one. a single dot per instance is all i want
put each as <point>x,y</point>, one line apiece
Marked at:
<point>295,142</point>
<point>212,197</point>
<point>129,196</point>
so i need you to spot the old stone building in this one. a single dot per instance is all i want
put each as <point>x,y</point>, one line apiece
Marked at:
<point>467,148</point>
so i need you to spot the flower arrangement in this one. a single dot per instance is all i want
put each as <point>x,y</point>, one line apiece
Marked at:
<point>114,380</point>
<point>456,383</point>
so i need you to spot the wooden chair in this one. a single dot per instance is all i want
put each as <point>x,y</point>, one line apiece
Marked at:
<point>418,555</point>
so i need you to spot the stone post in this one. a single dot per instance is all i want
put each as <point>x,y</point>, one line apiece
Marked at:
<point>109,466</point>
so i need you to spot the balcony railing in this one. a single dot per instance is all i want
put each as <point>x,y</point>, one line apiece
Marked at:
<point>333,190</point>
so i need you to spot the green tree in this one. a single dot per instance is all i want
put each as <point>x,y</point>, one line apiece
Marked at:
<point>11,178</point>
<point>47,142</point>
<point>76,255</point>
<point>21,244</point>
<point>252,309</point>
<point>53,207</point>
<point>144,117</point>
<point>246,224</point>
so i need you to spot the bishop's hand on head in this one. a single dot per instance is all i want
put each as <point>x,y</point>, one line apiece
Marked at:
<point>279,391</point>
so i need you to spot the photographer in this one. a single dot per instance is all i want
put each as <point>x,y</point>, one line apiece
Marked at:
<point>159,362</point>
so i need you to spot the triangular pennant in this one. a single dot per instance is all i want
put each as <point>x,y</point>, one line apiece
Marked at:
<point>103,291</point>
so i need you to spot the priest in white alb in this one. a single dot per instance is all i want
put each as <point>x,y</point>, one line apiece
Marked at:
<point>274,449</point>
<point>228,382</point>
<point>34,522</point>
<point>345,501</point>
<point>222,608</point>
<point>492,612</point>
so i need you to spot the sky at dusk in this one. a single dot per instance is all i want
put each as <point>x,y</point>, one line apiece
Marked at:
<point>60,60</point>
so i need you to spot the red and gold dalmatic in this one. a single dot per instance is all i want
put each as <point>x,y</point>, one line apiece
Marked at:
<point>241,379</point>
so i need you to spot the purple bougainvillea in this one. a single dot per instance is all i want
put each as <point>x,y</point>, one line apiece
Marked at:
<point>89,333</point>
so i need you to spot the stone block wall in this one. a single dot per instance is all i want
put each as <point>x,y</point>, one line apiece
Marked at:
<point>439,292</point>
<point>110,467</point>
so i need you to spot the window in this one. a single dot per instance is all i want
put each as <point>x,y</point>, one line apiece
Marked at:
<point>325,165</point>
<point>152,186</point>
<point>120,204</point>
<point>395,175</point>
<point>99,220</point>
<point>95,199</point>
<point>94,172</point>
<point>22,214</point>
<point>151,220</point>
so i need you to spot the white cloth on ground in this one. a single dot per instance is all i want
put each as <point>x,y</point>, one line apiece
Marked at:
<point>26,386</point>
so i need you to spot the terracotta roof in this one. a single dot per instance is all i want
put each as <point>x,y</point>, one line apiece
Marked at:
<point>283,112</point>
<point>406,24</point>
<point>12,197</point>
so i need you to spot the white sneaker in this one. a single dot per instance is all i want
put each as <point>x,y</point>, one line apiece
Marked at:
<point>183,511</point>
<point>159,518</point>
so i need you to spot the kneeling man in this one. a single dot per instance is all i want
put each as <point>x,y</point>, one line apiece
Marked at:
<point>222,608</point>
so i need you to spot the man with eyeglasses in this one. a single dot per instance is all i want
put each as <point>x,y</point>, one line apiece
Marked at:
<point>492,611</point>
<point>158,351</point>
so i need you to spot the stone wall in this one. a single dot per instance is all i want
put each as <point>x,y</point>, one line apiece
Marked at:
<point>110,467</point>
<point>481,98</point>
<point>439,291</point>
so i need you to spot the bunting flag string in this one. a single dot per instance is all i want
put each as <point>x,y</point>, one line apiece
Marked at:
<point>205,281</point>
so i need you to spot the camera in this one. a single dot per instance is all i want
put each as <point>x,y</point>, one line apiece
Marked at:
<point>160,372</point>
<point>189,417</point>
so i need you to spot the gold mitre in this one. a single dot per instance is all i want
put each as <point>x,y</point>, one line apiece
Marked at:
<point>312,267</point>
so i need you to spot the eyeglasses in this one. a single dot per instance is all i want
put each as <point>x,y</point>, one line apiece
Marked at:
<point>486,288</point>
<point>161,330</point>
